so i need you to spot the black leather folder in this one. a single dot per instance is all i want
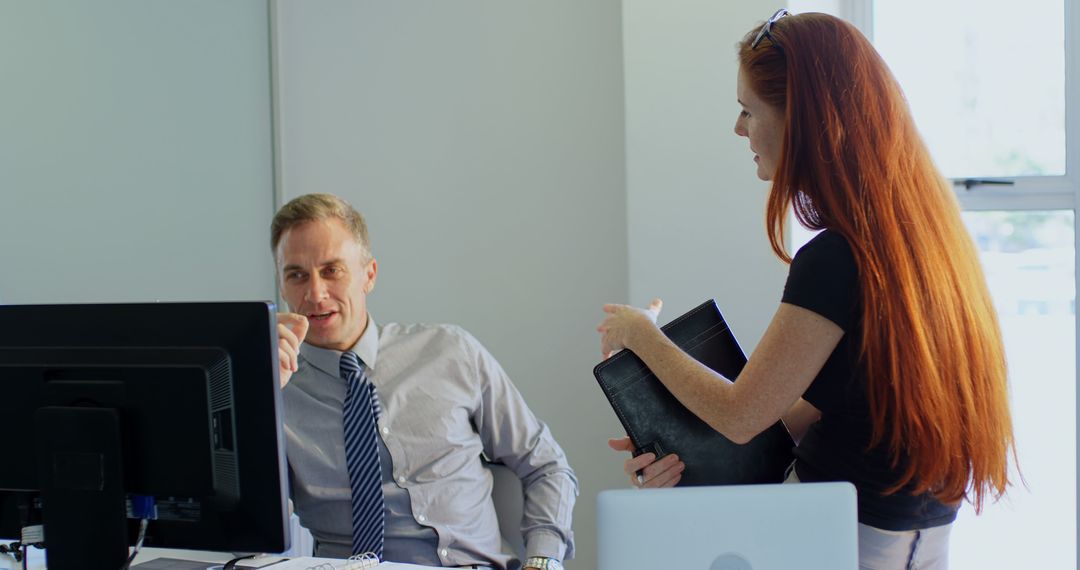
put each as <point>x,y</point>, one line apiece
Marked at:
<point>656,421</point>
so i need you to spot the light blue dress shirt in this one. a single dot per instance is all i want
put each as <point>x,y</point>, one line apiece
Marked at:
<point>446,401</point>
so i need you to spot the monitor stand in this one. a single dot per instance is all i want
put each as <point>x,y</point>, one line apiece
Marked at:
<point>80,475</point>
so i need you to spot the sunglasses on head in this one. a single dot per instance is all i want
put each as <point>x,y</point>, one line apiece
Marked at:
<point>766,30</point>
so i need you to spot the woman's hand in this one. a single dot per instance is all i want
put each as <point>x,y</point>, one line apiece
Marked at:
<point>664,473</point>
<point>625,325</point>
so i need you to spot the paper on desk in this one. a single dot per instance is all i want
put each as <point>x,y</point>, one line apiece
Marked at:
<point>275,563</point>
<point>168,563</point>
<point>311,563</point>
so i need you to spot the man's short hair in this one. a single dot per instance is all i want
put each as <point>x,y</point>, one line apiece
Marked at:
<point>317,207</point>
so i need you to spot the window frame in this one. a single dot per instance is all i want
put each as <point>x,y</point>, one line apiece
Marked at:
<point>1027,192</point>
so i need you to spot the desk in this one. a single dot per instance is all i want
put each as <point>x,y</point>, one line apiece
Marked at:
<point>37,559</point>
<point>299,537</point>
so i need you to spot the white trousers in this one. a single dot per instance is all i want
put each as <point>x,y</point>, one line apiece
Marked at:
<point>922,549</point>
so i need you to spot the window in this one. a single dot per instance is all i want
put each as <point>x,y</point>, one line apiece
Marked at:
<point>1029,260</point>
<point>989,87</point>
<point>988,92</point>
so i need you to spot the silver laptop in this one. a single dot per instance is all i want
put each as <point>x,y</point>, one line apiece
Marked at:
<point>808,526</point>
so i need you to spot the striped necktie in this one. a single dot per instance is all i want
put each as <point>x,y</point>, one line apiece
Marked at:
<point>360,414</point>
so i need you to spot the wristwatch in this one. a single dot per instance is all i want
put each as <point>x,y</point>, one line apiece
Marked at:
<point>543,563</point>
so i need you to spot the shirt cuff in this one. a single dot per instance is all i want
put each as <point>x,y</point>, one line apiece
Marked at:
<point>547,544</point>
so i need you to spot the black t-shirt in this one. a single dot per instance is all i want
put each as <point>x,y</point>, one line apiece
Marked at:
<point>824,279</point>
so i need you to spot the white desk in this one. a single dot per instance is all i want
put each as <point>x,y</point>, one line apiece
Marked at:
<point>37,559</point>
<point>300,538</point>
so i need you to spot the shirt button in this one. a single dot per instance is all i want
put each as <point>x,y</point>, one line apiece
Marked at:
<point>421,518</point>
<point>385,430</point>
<point>401,479</point>
<point>443,552</point>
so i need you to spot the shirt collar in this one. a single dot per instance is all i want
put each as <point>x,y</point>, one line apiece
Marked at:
<point>329,360</point>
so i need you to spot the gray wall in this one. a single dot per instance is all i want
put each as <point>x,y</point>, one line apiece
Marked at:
<point>696,209</point>
<point>520,164</point>
<point>135,155</point>
<point>483,141</point>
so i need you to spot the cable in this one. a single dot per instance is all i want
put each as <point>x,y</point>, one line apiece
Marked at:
<point>230,565</point>
<point>143,523</point>
<point>144,508</point>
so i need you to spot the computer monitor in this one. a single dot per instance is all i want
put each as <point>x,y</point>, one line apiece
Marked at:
<point>101,404</point>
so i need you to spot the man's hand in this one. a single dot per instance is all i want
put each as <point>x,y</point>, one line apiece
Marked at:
<point>291,328</point>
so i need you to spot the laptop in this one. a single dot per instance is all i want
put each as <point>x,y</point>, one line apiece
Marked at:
<point>733,527</point>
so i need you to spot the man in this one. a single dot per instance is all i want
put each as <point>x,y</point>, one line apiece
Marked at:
<point>430,398</point>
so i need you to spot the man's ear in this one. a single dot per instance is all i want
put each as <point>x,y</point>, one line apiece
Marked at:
<point>371,270</point>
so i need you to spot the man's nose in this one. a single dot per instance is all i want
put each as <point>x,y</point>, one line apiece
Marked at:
<point>316,290</point>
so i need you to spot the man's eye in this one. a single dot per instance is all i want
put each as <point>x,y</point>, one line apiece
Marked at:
<point>745,114</point>
<point>295,275</point>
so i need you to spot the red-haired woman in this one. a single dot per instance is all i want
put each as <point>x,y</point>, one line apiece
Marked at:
<point>885,358</point>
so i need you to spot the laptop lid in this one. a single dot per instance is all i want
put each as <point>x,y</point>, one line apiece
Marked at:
<point>734,527</point>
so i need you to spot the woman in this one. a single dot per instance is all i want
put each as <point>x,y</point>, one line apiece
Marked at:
<point>885,359</point>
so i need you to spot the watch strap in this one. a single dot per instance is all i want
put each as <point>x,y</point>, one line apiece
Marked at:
<point>543,563</point>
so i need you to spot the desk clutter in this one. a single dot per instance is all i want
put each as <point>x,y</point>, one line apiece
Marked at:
<point>358,562</point>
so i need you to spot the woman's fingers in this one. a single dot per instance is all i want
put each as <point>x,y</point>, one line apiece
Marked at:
<point>666,478</point>
<point>646,470</point>
<point>650,467</point>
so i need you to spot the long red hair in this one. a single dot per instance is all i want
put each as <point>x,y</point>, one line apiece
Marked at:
<point>853,162</point>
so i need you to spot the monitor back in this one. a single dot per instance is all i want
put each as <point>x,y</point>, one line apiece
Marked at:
<point>195,386</point>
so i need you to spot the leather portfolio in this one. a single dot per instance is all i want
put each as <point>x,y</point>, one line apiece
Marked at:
<point>657,422</point>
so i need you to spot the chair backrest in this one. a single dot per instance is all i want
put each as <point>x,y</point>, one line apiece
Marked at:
<point>509,498</point>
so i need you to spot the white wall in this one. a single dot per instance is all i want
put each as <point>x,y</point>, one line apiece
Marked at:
<point>135,151</point>
<point>696,210</point>
<point>483,141</point>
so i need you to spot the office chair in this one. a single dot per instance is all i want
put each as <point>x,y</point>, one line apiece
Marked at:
<point>509,498</point>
